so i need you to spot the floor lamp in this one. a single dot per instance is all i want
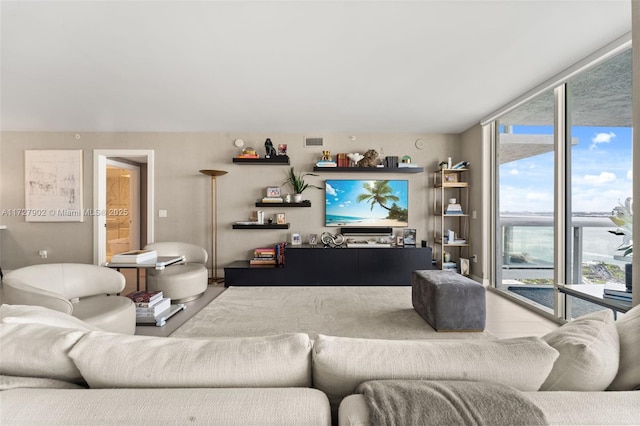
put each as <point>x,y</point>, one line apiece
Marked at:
<point>214,222</point>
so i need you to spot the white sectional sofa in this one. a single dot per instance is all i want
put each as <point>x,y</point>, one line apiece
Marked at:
<point>56,369</point>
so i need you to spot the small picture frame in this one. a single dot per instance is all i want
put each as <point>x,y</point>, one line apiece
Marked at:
<point>313,239</point>
<point>273,191</point>
<point>450,177</point>
<point>281,218</point>
<point>464,267</point>
<point>296,239</point>
<point>282,149</point>
<point>409,236</point>
<point>399,240</point>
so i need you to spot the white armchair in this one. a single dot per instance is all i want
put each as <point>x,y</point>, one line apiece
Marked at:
<point>87,292</point>
<point>181,282</point>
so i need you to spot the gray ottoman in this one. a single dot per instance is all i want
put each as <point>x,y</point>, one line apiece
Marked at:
<point>448,301</point>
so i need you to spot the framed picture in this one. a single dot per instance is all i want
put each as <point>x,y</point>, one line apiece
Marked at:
<point>296,239</point>
<point>399,240</point>
<point>282,149</point>
<point>273,191</point>
<point>53,185</point>
<point>450,177</point>
<point>464,266</point>
<point>281,218</point>
<point>409,236</point>
<point>313,239</point>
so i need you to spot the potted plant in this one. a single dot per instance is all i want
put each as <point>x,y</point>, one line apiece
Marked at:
<point>623,218</point>
<point>298,184</point>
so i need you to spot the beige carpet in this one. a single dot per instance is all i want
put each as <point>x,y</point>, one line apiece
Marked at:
<point>368,312</point>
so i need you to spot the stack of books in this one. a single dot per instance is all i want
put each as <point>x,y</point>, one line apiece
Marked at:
<point>326,163</point>
<point>149,304</point>
<point>272,200</point>
<point>343,160</point>
<point>135,256</point>
<point>453,209</point>
<point>617,292</point>
<point>264,256</point>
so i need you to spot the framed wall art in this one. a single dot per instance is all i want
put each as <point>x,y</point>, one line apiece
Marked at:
<point>53,185</point>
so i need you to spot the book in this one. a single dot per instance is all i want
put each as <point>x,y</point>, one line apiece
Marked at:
<point>134,256</point>
<point>154,310</point>
<point>272,200</point>
<point>145,299</point>
<point>263,261</point>
<point>617,297</point>
<point>612,289</point>
<point>460,165</point>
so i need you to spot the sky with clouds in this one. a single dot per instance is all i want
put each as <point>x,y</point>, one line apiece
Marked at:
<point>601,172</point>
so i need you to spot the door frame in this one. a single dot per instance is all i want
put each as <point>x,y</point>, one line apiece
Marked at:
<point>100,157</point>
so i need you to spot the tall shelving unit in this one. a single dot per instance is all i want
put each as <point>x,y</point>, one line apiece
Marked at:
<point>447,184</point>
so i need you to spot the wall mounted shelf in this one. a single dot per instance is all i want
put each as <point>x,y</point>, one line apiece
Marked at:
<point>279,160</point>
<point>370,169</point>
<point>265,226</point>
<point>304,203</point>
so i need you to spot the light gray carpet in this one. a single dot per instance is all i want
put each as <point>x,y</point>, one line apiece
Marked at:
<point>368,312</point>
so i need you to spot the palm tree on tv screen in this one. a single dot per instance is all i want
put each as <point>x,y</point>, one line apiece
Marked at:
<point>378,192</point>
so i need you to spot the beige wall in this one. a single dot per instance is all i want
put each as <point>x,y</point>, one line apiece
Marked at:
<point>636,141</point>
<point>184,192</point>
<point>472,146</point>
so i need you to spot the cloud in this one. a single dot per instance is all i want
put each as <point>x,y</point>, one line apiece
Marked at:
<point>514,172</point>
<point>330,190</point>
<point>599,138</point>
<point>601,179</point>
<point>341,205</point>
<point>347,202</point>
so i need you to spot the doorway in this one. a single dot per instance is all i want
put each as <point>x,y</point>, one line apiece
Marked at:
<point>123,201</point>
<point>123,207</point>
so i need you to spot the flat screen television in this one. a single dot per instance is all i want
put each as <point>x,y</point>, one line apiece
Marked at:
<point>366,202</point>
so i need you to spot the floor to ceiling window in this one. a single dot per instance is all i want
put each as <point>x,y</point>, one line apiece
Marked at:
<point>597,165</point>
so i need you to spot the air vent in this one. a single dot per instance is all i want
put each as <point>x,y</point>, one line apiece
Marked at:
<point>313,142</point>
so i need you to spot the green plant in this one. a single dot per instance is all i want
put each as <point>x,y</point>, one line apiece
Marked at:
<point>623,218</point>
<point>297,181</point>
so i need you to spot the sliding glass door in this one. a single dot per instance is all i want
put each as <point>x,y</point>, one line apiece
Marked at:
<point>593,169</point>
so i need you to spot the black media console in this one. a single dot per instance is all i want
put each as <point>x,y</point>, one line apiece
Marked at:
<point>306,265</point>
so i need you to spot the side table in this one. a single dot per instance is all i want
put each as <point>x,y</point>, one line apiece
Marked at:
<point>159,264</point>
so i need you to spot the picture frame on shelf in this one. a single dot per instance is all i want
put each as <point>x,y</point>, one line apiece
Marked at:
<point>464,266</point>
<point>409,236</point>
<point>296,239</point>
<point>450,177</point>
<point>399,240</point>
<point>281,218</point>
<point>313,239</point>
<point>273,191</point>
<point>282,149</point>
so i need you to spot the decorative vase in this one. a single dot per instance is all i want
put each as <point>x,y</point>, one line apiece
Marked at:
<point>628,275</point>
<point>297,198</point>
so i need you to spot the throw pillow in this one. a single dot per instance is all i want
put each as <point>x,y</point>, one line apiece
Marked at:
<point>36,350</point>
<point>26,314</point>
<point>340,364</point>
<point>109,360</point>
<point>589,352</point>
<point>628,377</point>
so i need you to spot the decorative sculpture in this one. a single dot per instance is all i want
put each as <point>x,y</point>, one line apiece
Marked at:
<point>270,150</point>
<point>369,159</point>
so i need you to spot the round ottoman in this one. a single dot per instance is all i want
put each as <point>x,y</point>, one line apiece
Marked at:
<point>181,283</point>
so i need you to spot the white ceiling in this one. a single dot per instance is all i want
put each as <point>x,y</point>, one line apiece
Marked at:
<point>265,66</point>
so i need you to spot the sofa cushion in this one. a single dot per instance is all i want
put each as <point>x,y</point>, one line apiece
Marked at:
<point>20,382</point>
<point>27,314</point>
<point>36,350</point>
<point>628,376</point>
<point>114,360</point>
<point>589,352</point>
<point>340,364</point>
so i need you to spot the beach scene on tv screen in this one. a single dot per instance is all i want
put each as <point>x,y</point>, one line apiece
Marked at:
<point>359,202</point>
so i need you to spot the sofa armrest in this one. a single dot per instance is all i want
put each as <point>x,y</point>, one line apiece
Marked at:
<point>30,295</point>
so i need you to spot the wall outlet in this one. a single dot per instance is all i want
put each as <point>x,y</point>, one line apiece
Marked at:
<point>43,254</point>
<point>473,214</point>
<point>162,213</point>
<point>475,258</point>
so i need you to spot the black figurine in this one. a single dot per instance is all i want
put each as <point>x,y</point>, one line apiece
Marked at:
<point>270,150</point>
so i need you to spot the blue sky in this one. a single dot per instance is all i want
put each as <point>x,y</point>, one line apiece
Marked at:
<point>341,198</point>
<point>601,172</point>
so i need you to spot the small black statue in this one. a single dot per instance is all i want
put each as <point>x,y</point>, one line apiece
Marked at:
<point>270,150</point>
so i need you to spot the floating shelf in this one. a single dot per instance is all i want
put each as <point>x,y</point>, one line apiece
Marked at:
<point>370,169</point>
<point>265,226</point>
<point>304,203</point>
<point>278,159</point>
